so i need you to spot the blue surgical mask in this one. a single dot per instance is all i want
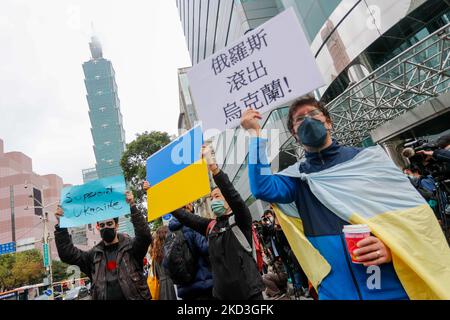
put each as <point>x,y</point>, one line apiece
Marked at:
<point>312,133</point>
<point>218,207</point>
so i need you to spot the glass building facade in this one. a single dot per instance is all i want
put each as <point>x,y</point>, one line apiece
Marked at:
<point>188,115</point>
<point>348,38</point>
<point>210,25</point>
<point>312,13</point>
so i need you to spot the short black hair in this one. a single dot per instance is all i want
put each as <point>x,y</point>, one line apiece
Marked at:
<point>267,211</point>
<point>443,141</point>
<point>116,220</point>
<point>413,168</point>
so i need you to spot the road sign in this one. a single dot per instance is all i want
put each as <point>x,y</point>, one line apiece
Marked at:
<point>6,248</point>
<point>45,252</point>
<point>48,292</point>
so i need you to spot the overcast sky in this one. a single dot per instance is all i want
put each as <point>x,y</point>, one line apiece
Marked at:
<point>43,107</point>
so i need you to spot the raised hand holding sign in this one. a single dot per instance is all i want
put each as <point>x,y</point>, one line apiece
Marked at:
<point>94,201</point>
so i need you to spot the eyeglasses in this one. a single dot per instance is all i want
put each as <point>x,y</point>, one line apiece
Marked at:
<point>101,225</point>
<point>311,114</point>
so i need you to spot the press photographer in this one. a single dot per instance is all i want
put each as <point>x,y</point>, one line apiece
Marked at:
<point>430,162</point>
<point>430,158</point>
<point>442,153</point>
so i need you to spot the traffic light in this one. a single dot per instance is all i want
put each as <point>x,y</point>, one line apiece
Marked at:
<point>37,201</point>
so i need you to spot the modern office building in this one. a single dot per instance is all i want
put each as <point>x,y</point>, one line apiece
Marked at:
<point>86,235</point>
<point>385,65</point>
<point>106,120</point>
<point>188,115</point>
<point>20,222</point>
<point>187,119</point>
<point>104,112</point>
<point>89,174</point>
<point>21,190</point>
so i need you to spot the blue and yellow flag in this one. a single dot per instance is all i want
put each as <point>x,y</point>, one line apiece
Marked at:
<point>177,174</point>
<point>370,189</point>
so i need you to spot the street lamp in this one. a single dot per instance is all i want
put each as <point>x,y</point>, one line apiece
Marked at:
<point>46,236</point>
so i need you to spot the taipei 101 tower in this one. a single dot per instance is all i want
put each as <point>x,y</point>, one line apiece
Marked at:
<point>106,120</point>
<point>104,112</point>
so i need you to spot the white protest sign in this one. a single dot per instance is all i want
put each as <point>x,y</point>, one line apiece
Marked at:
<point>266,68</point>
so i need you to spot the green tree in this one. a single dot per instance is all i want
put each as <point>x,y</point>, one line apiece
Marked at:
<point>59,270</point>
<point>28,268</point>
<point>62,271</point>
<point>6,264</point>
<point>20,269</point>
<point>134,160</point>
<point>156,224</point>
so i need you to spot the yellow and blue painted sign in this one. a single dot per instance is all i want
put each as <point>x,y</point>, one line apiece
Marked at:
<point>177,174</point>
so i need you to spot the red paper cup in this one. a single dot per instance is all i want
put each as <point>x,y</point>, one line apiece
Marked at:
<point>353,234</point>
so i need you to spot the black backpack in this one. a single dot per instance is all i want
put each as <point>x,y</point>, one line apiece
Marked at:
<point>179,262</point>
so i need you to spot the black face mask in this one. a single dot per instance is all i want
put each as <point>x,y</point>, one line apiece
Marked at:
<point>312,133</point>
<point>108,234</point>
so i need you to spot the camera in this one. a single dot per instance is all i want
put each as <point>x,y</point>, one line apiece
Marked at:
<point>414,144</point>
<point>438,170</point>
<point>258,227</point>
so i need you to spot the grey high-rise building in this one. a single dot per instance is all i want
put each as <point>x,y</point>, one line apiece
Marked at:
<point>104,112</point>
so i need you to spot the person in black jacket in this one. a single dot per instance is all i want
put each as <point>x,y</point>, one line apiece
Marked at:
<point>115,265</point>
<point>235,273</point>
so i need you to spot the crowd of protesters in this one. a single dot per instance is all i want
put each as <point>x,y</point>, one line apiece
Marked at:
<point>231,256</point>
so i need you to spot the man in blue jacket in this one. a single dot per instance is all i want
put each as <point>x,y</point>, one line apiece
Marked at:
<point>201,287</point>
<point>309,122</point>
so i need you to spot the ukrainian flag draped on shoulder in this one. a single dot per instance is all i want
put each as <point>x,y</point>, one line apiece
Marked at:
<point>370,189</point>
